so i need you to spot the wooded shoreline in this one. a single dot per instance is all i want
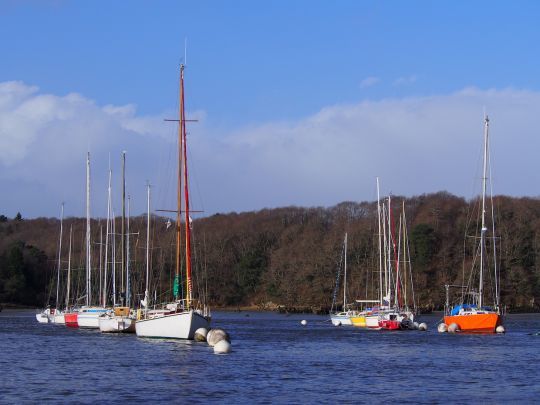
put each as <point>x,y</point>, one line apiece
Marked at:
<point>289,256</point>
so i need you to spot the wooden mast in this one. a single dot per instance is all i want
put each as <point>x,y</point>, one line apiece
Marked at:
<point>186,192</point>
<point>179,186</point>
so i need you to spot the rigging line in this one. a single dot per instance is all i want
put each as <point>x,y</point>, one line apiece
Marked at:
<point>496,269</point>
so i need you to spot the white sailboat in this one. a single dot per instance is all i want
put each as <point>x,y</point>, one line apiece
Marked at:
<point>88,315</point>
<point>182,317</point>
<point>373,309</point>
<point>342,317</point>
<point>58,317</point>
<point>54,315</point>
<point>120,318</point>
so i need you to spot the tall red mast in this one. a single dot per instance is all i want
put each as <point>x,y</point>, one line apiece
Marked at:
<point>186,191</point>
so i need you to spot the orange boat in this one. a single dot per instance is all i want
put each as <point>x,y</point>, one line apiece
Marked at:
<point>472,320</point>
<point>471,315</point>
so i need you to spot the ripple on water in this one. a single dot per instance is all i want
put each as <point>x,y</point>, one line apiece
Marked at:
<point>275,360</point>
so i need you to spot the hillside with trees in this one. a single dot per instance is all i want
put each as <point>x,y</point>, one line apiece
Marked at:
<point>289,256</point>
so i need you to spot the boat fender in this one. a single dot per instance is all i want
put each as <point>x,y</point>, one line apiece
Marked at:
<point>216,335</point>
<point>453,328</point>
<point>222,347</point>
<point>200,334</point>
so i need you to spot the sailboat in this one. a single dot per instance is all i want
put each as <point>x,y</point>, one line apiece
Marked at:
<point>342,317</point>
<point>70,315</point>
<point>396,313</point>
<point>471,314</point>
<point>58,317</point>
<point>118,318</point>
<point>88,315</point>
<point>368,317</point>
<point>54,315</point>
<point>180,318</point>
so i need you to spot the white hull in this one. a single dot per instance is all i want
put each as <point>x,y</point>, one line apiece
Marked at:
<point>42,318</point>
<point>116,324</point>
<point>59,319</point>
<point>89,317</point>
<point>180,325</point>
<point>341,319</point>
<point>372,321</point>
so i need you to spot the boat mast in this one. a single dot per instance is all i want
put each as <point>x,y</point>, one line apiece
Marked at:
<point>113,256</point>
<point>345,275</point>
<point>69,266</point>
<point>59,255</point>
<point>128,293</point>
<point>123,236</point>
<point>186,193</point>
<point>396,256</point>
<point>404,261</point>
<point>88,260</point>
<point>484,229</point>
<point>380,247</point>
<point>107,231</point>
<point>100,261</point>
<point>176,287</point>
<point>147,245</point>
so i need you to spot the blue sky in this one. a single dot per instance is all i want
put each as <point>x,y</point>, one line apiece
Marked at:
<point>263,78</point>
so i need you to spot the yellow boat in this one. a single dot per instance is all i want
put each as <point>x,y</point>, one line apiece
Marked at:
<point>359,320</point>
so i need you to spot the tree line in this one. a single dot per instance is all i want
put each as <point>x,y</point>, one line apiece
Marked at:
<point>288,257</point>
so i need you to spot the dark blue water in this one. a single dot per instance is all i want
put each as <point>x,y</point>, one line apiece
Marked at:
<point>274,360</point>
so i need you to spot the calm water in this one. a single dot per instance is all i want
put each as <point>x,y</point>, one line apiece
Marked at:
<point>274,360</point>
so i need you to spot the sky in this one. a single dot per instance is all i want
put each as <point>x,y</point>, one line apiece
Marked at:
<point>298,102</point>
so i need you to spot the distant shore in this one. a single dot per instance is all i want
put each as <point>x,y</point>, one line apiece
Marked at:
<point>289,310</point>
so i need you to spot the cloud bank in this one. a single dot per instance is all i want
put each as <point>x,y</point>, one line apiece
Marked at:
<point>415,145</point>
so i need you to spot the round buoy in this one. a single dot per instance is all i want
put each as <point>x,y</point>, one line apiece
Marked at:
<point>222,347</point>
<point>442,328</point>
<point>303,322</point>
<point>500,329</point>
<point>338,323</point>
<point>423,326</point>
<point>200,334</point>
<point>416,325</point>
<point>216,335</point>
<point>453,328</point>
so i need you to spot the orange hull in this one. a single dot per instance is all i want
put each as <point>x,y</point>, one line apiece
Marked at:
<point>477,323</point>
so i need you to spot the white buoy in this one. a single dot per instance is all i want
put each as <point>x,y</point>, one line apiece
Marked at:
<point>442,328</point>
<point>200,335</point>
<point>303,322</point>
<point>222,347</point>
<point>500,329</point>
<point>423,326</point>
<point>416,325</point>
<point>453,328</point>
<point>216,335</point>
<point>338,323</point>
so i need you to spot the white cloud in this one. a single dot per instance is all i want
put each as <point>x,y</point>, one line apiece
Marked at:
<point>416,145</point>
<point>369,81</point>
<point>402,81</point>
